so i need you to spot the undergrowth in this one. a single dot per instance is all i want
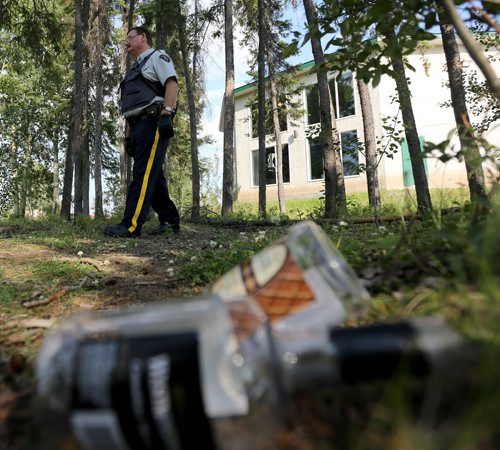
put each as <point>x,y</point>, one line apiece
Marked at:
<point>446,265</point>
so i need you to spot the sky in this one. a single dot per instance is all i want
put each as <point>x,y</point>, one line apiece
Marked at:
<point>215,80</point>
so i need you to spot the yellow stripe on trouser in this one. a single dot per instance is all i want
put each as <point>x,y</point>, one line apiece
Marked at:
<point>144,184</point>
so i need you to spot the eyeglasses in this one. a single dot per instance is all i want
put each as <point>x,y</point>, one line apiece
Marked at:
<point>130,38</point>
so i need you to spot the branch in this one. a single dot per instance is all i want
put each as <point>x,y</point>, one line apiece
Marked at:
<point>474,49</point>
<point>487,18</point>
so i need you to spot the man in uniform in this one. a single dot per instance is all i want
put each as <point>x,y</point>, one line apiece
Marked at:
<point>148,99</point>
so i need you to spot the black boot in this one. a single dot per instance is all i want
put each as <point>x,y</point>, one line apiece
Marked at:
<point>120,230</point>
<point>163,227</point>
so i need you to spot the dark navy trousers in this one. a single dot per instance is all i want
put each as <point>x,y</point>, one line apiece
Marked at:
<point>149,187</point>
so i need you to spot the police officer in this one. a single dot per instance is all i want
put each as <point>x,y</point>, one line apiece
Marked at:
<point>148,99</point>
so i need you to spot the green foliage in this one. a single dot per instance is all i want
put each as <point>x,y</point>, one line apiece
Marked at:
<point>59,271</point>
<point>447,150</point>
<point>365,35</point>
<point>482,104</point>
<point>276,32</point>
<point>8,296</point>
<point>36,25</point>
<point>208,265</point>
<point>33,117</point>
<point>447,266</point>
<point>387,146</point>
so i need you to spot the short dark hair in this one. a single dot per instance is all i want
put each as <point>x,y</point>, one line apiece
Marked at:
<point>141,30</point>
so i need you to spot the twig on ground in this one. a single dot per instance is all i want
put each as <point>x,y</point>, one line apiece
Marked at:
<point>45,301</point>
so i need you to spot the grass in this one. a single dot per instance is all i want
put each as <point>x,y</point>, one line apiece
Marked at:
<point>207,266</point>
<point>447,266</point>
<point>394,203</point>
<point>58,271</point>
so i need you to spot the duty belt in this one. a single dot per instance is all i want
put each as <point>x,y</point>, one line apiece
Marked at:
<point>151,110</point>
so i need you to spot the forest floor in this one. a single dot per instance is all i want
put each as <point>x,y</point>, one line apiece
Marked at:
<point>51,270</point>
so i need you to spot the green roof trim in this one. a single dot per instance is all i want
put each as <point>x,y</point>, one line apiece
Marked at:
<point>244,87</point>
<point>254,83</point>
<point>311,64</point>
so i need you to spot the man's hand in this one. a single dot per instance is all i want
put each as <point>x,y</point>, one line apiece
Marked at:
<point>129,148</point>
<point>165,126</point>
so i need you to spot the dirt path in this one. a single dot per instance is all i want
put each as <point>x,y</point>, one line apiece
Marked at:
<point>107,274</point>
<point>43,283</point>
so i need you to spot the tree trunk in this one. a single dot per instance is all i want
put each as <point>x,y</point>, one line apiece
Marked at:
<point>13,189</point>
<point>228,158</point>
<point>195,180</point>
<point>86,175</point>
<point>261,80</point>
<point>125,160</point>
<point>164,25</point>
<point>25,178</point>
<point>424,203</point>
<point>79,103</point>
<point>68,174</point>
<point>335,195</point>
<point>98,208</point>
<point>370,146</point>
<point>56,203</point>
<point>468,144</point>
<point>277,137</point>
<point>100,39</point>
<point>475,50</point>
<point>161,23</point>
<point>89,41</point>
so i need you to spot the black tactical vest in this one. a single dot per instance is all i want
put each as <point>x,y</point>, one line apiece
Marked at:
<point>136,90</point>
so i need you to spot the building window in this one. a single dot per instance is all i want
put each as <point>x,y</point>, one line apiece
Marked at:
<point>270,166</point>
<point>312,100</point>
<point>269,125</point>
<point>350,156</point>
<point>345,94</point>
<point>316,159</point>
<point>342,93</point>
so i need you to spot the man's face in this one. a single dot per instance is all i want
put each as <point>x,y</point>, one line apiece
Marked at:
<point>135,43</point>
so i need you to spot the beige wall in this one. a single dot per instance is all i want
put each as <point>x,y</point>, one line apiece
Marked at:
<point>433,122</point>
